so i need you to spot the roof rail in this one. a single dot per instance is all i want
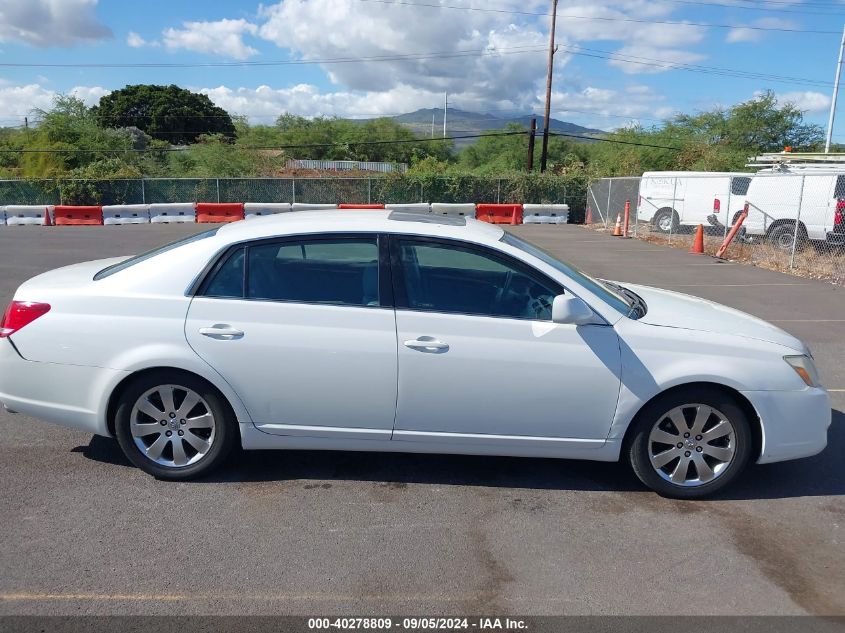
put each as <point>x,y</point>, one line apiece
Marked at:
<point>798,160</point>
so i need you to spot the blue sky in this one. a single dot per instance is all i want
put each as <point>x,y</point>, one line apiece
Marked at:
<point>617,62</point>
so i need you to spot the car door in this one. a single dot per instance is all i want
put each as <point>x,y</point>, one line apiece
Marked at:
<point>480,359</point>
<point>303,329</point>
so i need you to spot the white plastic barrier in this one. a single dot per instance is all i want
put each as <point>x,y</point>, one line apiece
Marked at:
<point>545,213</point>
<point>173,212</point>
<point>255,209</point>
<point>27,214</point>
<point>126,214</point>
<point>416,207</point>
<point>304,206</point>
<point>465,210</point>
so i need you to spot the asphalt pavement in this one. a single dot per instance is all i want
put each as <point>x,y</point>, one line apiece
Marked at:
<point>342,533</point>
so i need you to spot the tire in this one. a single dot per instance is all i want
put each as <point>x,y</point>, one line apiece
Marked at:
<point>783,235</point>
<point>666,221</point>
<point>207,432</point>
<point>732,445</point>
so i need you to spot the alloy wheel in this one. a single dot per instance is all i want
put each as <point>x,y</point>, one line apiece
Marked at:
<point>691,445</point>
<point>172,426</point>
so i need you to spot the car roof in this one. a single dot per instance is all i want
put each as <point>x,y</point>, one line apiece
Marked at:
<point>360,221</point>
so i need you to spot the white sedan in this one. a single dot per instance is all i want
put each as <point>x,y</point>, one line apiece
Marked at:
<point>380,331</point>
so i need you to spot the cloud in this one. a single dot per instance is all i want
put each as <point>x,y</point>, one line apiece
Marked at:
<point>16,102</point>
<point>47,23</point>
<point>747,34</point>
<point>223,37</point>
<point>812,102</point>
<point>449,41</point>
<point>611,108</point>
<point>135,41</point>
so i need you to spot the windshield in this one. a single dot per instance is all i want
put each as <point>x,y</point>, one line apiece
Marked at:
<point>116,268</point>
<point>611,294</point>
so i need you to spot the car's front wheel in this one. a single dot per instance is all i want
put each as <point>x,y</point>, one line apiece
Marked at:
<point>174,425</point>
<point>690,443</point>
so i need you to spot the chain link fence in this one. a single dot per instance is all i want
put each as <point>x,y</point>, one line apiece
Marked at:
<point>794,221</point>
<point>398,190</point>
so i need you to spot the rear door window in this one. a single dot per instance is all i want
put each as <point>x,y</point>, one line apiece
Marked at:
<point>739,185</point>
<point>342,271</point>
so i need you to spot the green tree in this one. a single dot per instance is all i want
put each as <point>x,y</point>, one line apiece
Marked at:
<point>167,113</point>
<point>73,138</point>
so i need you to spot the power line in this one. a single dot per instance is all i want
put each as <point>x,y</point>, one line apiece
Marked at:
<point>569,16</point>
<point>514,50</point>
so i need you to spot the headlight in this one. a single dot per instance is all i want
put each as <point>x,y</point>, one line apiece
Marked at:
<point>804,367</point>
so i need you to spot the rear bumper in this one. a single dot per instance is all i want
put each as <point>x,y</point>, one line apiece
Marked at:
<point>795,423</point>
<point>68,395</point>
<point>836,238</point>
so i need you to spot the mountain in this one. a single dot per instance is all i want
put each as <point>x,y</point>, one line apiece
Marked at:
<point>462,123</point>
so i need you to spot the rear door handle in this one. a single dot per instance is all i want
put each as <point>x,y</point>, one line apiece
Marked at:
<point>427,344</point>
<point>221,332</point>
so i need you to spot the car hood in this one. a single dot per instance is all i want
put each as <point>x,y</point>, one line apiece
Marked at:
<point>674,309</point>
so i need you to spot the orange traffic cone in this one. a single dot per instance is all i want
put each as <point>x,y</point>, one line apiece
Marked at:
<point>47,220</point>
<point>617,230</point>
<point>698,243</point>
<point>589,217</point>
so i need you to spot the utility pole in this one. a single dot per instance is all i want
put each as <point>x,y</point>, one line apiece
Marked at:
<point>531,134</point>
<point>445,108</point>
<point>26,122</point>
<point>544,153</point>
<point>432,125</point>
<point>835,95</point>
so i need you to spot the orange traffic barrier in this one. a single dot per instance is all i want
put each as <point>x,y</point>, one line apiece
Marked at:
<point>348,205</point>
<point>67,215</point>
<point>499,213</point>
<point>627,219</point>
<point>734,230</point>
<point>617,230</point>
<point>47,220</point>
<point>588,218</point>
<point>698,243</point>
<point>215,212</point>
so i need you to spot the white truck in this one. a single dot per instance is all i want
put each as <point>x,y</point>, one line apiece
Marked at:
<point>670,199</point>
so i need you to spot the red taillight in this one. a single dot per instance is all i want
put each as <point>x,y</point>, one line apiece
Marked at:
<point>20,314</point>
<point>840,212</point>
<point>717,205</point>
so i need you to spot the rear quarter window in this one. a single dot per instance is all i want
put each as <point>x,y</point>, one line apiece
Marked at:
<point>116,268</point>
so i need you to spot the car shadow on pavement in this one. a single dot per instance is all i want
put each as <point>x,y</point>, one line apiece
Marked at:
<point>821,475</point>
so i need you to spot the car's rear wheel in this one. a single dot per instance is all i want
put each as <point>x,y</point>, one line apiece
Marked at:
<point>174,425</point>
<point>784,237</point>
<point>690,443</point>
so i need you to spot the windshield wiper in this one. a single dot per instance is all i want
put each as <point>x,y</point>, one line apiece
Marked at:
<point>638,305</point>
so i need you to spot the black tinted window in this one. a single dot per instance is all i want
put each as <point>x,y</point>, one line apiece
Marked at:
<point>342,271</point>
<point>228,279</point>
<point>452,278</point>
<point>839,188</point>
<point>739,185</point>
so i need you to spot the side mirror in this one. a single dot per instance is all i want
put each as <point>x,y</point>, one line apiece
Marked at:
<point>572,310</point>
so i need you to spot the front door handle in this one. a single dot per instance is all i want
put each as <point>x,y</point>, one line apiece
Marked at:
<point>221,332</point>
<point>427,344</point>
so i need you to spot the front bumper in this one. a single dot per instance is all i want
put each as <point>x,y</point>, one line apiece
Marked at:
<point>795,423</point>
<point>68,395</point>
